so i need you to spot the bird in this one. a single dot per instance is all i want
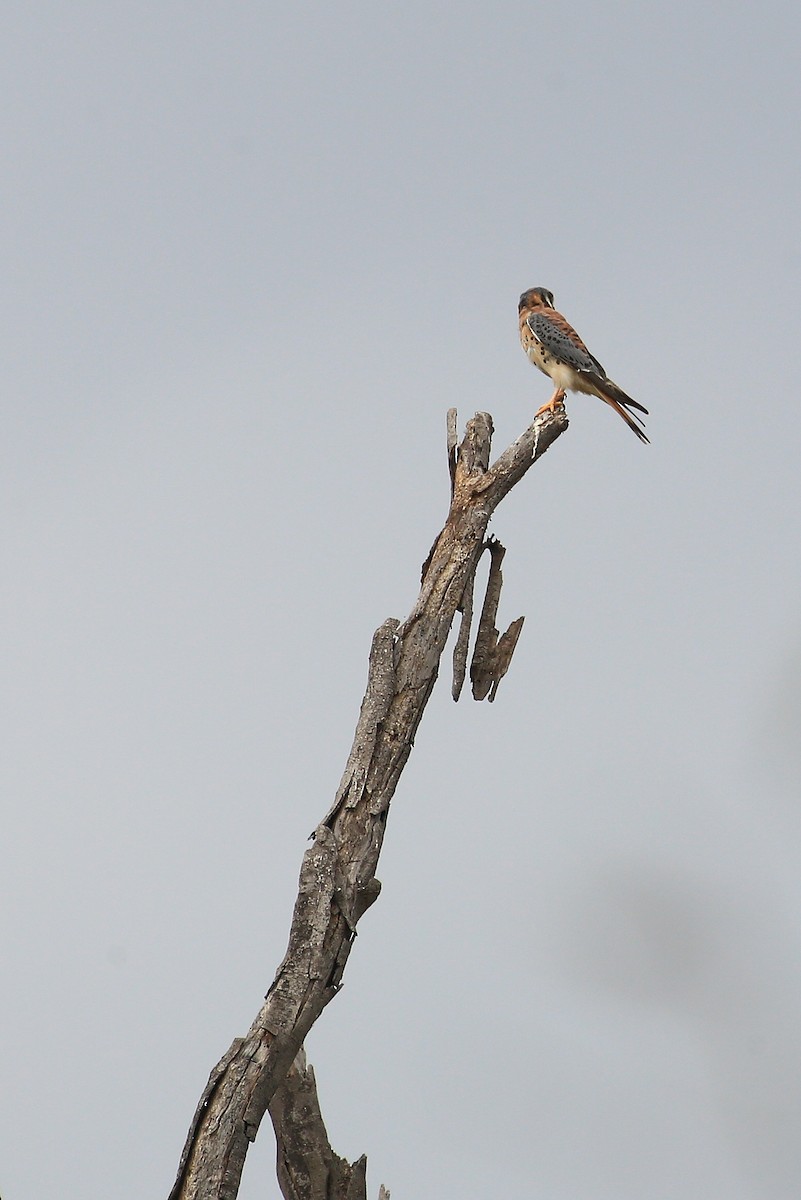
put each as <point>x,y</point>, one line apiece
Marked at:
<point>554,346</point>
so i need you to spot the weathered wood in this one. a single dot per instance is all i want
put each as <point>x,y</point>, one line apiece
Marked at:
<point>307,1166</point>
<point>492,654</point>
<point>337,878</point>
<point>463,638</point>
<point>453,442</point>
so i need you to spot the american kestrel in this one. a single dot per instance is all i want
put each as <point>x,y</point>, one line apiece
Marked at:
<point>554,346</point>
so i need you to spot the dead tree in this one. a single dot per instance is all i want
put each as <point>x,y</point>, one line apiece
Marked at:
<point>267,1068</point>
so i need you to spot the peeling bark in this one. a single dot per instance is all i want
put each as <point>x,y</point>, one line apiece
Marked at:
<point>492,654</point>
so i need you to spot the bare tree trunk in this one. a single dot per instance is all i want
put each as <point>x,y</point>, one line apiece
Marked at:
<point>337,877</point>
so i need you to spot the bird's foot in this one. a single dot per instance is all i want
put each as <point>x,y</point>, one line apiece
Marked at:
<point>558,398</point>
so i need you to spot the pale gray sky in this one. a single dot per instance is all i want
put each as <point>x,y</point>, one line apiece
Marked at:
<point>252,253</point>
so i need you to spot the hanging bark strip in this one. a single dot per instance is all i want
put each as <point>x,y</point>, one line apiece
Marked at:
<point>337,877</point>
<point>306,1164</point>
<point>492,655</point>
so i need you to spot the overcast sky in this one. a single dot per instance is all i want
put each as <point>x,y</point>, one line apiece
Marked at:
<point>252,253</point>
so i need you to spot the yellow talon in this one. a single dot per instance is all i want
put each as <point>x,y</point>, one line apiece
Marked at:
<point>557,398</point>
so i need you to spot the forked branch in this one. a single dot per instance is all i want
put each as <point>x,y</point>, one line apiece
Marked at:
<point>337,878</point>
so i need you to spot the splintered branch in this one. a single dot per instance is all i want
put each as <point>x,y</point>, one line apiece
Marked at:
<point>337,877</point>
<point>453,442</point>
<point>307,1167</point>
<point>492,655</point>
<point>463,638</point>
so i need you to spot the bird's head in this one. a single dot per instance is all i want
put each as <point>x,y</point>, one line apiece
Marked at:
<point>536,297</point>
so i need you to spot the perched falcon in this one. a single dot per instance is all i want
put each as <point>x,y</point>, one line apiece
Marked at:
<point>558,351</point>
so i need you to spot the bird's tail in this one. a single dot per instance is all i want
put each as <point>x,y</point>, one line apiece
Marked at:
<point>621,403</point>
